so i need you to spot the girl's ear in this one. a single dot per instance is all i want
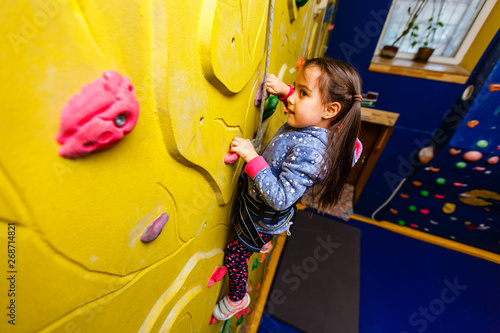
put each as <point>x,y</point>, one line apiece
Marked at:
<point>332,109</point>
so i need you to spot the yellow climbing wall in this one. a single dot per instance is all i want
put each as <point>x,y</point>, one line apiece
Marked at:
<point>77,263</point>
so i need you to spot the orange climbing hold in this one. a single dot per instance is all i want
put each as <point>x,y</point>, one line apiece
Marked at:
<point>472,123</point>
<point>417,183</point>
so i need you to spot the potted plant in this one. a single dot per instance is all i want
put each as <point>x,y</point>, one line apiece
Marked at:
<point>433,24</point>
<point>389,51</point>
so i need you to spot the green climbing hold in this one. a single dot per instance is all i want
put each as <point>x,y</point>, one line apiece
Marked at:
<point>482,144</point>
<point>255,264</point>
<point>412,208</point>
<point>440,181</point>
<point>240,320</point>
<point>424,193</point>
<point>271,105</point>
<point>460,165</point>
<point>225,326</point>
<point>300,3</point>
<point>401,222</point>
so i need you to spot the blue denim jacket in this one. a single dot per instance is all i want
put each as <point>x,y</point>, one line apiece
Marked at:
<point>294,156</point>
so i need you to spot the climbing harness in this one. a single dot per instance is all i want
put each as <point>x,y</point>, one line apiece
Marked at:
<point>266,217</point>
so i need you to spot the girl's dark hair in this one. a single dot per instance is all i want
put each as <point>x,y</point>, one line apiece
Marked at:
<point>338,82</point>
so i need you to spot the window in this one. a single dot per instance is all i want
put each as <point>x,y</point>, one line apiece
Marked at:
<point>460,21</point>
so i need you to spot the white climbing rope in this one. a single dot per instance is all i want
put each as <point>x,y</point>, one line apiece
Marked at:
<point>257,141</point>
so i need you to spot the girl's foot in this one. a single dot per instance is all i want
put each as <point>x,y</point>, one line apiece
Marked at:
<point>226,308</point>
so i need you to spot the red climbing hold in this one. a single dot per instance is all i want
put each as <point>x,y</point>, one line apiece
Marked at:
<point>231,157</point>
<point>212,320</point>
<point>217,275</point>
<point>424,211</point>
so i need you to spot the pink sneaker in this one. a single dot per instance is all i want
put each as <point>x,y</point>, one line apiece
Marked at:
<point>265,248</point>
<point>226,308</point>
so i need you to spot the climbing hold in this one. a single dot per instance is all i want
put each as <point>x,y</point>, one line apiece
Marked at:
<point>212,320</point>
<point>258,97</point>
<point>449,208</point>
<point>467,223</point>
<point>479,168</point>
<point>393,211</point>
<point>98,117</point>
<point>401,222</point>
<point>454,151</point>
<point>424,193</point>
<point>483,227</point>
<point>433,169</point>
<point>453,218</point>
<point>460,165</point>
<point>493,160</point>
<point>255,264</point>
<point>271,105</point>
<point>154,229</point>
<point>300,3</point>
<point>404,196</point>
<point>472,156</point>
<point>217,275</point>
<point>258,286</point>
<point>263,257</point>
<point>240,320</point>
<point>482,144</point>
<point>231,157</point>
<point>412,208</point>
<point>459,184</point>
<point>426,154</point>
<point>440,181</point>
<point>300,63</point>
<point>472,123</point>
<point>471,227</point>
<point>413,225</point>
<point>439,196</point>
<point>433,222</point>
<point>417,183</point>
<point>424,211</point>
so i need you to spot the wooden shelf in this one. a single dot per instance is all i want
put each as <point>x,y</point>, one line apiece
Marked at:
<point>380,117</point>
<point>430,71</point>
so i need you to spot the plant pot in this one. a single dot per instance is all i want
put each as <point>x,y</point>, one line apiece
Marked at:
<point>423,54</point>
<point>389,51</point>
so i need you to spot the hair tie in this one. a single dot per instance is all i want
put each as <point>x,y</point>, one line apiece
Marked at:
<point>357,98</point>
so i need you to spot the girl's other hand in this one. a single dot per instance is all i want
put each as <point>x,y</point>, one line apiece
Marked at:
<point>276,87</point>
<point>244,148</point>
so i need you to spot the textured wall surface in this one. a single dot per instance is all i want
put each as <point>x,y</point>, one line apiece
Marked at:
<point>77,259</point>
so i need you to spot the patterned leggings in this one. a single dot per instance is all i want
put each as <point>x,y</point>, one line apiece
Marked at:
<point>236,261</point>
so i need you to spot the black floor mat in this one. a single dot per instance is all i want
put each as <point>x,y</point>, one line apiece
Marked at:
<point>316,288</point>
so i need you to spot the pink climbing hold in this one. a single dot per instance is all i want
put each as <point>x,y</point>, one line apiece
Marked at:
<point>217,275</point>
<point>98,117</point>
<point>439,196</point>
<point>258,97</point>
<point>154,229</point>
<point>230,157</point>
<point>212,320</point>
<point>424,211</point>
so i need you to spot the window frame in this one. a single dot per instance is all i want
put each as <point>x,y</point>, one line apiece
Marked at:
<point>464,46</point>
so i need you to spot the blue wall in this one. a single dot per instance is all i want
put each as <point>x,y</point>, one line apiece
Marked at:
<point>422,104</point>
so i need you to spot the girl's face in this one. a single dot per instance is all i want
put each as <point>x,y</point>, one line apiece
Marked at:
<point>305,105</point>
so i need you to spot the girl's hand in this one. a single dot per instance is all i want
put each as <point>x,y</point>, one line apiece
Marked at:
<point>276,87</point>
<point>244,148</point>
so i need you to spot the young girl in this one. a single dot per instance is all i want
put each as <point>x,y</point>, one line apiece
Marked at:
<point>316,147</point>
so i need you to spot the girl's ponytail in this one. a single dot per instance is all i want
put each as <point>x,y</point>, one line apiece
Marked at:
<point>340,83</point>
